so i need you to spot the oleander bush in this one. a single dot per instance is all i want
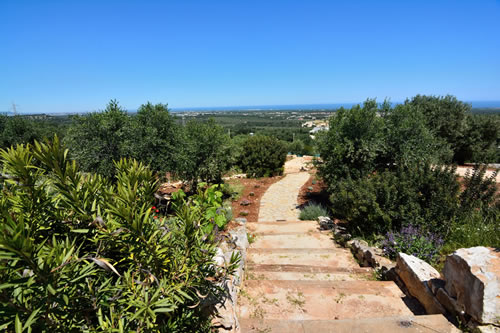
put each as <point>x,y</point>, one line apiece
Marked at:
<point>82,252</point>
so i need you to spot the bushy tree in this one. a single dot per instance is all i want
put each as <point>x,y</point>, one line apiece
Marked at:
<point>17,130</point>
<point>446,116</point>
<point>156,137</point>
<point>481,140</point>
<point>205,152</point>
<point>263,156</point>
<point>99,138</point>
<point>353,145</point>
<point>409,141</point>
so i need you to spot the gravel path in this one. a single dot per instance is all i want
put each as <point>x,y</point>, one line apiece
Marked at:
<point>279,203</point>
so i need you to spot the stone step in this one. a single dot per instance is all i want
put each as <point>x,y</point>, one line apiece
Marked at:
<point>313,300</point>
<point>280,227</point>
<point>405,324</point>
<point>294,240</point>
<point>303,273</point>
<point>325,257</point>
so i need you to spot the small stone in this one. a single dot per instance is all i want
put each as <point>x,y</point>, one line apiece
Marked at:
<point>245,202</point>
<point>241,220</point>
<point>251,194</point>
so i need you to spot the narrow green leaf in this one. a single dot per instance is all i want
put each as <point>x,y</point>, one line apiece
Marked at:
<point>18,325</point>
<point>80,231</point>
<point>51,289</point>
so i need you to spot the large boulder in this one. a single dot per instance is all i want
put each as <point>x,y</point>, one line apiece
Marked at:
<point>417,275</point>
<point>473,279</point>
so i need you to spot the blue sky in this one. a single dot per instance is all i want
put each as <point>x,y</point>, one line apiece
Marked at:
<point>73,56</point>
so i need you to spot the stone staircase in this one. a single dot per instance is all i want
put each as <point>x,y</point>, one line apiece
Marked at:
<point>298,280</point>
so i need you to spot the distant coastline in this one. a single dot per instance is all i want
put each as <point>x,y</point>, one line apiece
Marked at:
<point>481,106</point>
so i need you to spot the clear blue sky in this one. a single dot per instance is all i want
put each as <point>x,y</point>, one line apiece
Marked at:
<point>71,56</point>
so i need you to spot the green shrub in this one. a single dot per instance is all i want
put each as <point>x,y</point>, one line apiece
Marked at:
<point>311,212</point>
<point>79,252</point>
<point>263,156</point>
<point>423,196</point>
<point>207,202</point>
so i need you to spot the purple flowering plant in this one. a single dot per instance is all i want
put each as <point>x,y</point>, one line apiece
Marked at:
<point>415,241</point>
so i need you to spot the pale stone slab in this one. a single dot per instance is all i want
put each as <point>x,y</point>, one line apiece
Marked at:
<point>473,278</point>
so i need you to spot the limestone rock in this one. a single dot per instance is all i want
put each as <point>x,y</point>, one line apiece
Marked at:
<point>448,302</point>
<point>473,278</point>
<point>416,275</point>
<point>488,329</point>
<point>241,220</point>
<point>325,223</point>
<point>240,237</point>
<point>219,257</point>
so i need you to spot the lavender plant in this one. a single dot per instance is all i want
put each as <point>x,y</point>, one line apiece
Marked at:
<point>415,241</point>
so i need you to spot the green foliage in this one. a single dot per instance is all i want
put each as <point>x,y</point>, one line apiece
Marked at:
<point>475,229</point>
<point>196,152</point>
<point>16,130</point>
<point>298,147</point>
<point>156,137</point>
<point>477,221</point>
<point>481,140</point>
<point>423,196</point>
<point>79,252</point>
<point>311,212</point>
<point>233,190</point>
<point>263,156</point>
<point>446,117</point>
<point>205,152</point>
<point>236,150</point>
<point>99,138</point>
<point>353,144</point>
<point>409,141</point>
<point>207,202</point>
